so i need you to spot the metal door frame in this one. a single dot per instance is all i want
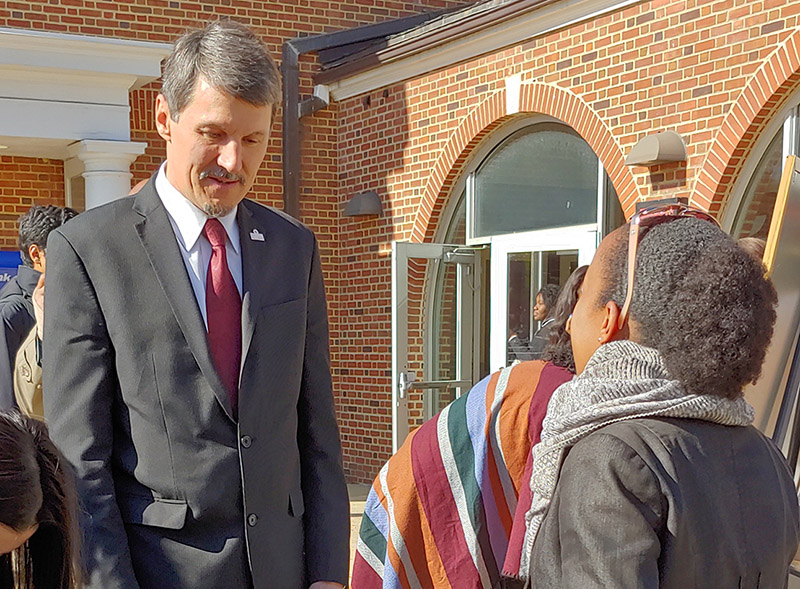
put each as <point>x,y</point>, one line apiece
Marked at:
<point>468,284</point>
<point>583,238</point>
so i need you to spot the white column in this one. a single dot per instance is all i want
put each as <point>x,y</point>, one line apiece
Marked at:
<point>106,167</point>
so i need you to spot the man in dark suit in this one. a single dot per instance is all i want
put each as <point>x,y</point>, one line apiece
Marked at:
<point>186,363</point>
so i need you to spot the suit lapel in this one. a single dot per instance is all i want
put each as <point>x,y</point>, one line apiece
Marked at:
<point>158,239</point>
<point>256,271</point>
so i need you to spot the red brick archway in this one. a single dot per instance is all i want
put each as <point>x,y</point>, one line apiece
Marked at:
<point>753,109</point>
<point>534,98</point>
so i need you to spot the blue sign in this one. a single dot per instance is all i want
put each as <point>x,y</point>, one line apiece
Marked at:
<point>9,262</point>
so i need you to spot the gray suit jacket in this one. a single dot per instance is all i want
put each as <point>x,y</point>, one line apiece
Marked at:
<point>671,503</point>
<point>177,493</point>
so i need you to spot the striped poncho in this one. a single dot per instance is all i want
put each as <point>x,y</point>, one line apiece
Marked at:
<point>448,509</point>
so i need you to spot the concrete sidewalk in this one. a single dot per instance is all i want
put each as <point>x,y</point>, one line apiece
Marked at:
<point>358,497</point>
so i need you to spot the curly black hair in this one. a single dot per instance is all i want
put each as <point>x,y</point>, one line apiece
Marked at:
<point>37,223</point>
<point>700,300</point>
<point>559,349</point>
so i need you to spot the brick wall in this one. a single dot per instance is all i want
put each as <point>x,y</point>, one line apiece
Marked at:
<point>656,66</point>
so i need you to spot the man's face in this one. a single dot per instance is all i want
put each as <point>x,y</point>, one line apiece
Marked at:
<point>215,147</point>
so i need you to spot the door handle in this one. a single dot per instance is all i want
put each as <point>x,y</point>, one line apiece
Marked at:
<point>405,382</point>
<point>438,384</point>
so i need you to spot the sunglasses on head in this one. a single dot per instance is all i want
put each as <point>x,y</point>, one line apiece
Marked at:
<point>645,219</point>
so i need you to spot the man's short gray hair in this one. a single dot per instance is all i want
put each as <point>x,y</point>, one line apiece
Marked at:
<point>230,57</point>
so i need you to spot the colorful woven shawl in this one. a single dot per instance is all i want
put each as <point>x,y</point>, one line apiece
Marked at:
<point>446,510</point>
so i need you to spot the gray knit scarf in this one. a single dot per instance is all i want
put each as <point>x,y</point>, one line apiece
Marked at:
<point>622,380</point>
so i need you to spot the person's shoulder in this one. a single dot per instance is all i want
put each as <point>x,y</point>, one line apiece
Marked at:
<point>98,221</point>
<point>646,428</point>
<point>12,299</point>
<point>10,291</point>
<point>628,438</point>
<point>277,218</point>
<point>13,304</point>
<point>664,439</point>
<point>609,439</point>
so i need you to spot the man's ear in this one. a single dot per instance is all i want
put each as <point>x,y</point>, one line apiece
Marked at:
<point>33,252</point>
<point>163,119</point>
<point>610,327</point>
<point>36,254</point>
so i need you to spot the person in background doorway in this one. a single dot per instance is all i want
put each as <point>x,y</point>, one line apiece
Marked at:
<point>649,472</point>
<point>448,509</point>
<point>520,348</point>
<point>39,535</point>
<point>16,305</point>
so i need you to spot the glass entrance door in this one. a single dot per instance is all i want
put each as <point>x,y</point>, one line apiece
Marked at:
<point>431,369</point>
<point>522,264</point>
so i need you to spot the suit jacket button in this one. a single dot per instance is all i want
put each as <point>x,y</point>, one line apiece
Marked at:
<point>252,520</point>
<point>246,441</point>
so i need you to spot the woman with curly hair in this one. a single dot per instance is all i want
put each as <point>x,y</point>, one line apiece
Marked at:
<point>448,509</point>
<point>649,472</point>
<point>38,530</point>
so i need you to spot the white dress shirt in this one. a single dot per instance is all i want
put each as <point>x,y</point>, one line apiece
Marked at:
<point>187,223</point>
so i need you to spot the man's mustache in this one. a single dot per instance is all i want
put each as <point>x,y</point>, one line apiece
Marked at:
<point>220,173</point>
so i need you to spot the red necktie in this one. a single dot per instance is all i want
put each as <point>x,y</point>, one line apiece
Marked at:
<point>223,312</point>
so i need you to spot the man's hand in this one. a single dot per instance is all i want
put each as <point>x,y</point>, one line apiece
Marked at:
<point>326,585</point>
<point>38,306</point>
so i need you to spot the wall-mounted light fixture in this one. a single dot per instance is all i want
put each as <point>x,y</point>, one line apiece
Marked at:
<point>658,148</point>
<point>364,204</point>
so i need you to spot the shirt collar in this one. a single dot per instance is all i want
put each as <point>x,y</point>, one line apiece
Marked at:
<point>188,219</point>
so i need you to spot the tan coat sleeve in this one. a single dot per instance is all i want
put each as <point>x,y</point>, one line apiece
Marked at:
<point>28,378</point>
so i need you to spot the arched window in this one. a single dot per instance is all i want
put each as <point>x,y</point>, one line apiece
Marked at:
<point>531,174</point>
<point>540,177</point>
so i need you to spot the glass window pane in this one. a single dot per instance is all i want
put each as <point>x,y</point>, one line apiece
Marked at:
<point>528,272</point>
<point>519,298</point>
<point>612,209</point>
<point>542,176</point>
<point>457,228</point>
<point>445,340</point>
<point>444,320</point>
<point>755,210</point>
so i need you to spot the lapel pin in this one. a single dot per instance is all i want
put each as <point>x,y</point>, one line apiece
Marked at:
<point>256,235</point>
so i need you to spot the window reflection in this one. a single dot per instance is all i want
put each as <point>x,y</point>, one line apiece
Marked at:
<point>542,176</point>
<point>755,210</point>
<point>529,272</point>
